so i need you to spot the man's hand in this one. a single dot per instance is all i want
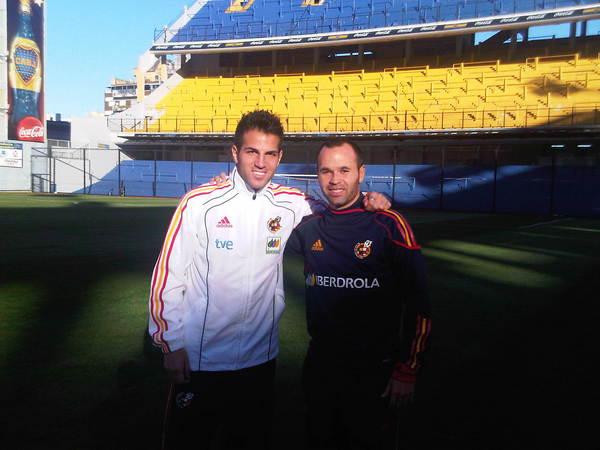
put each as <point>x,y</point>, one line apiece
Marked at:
<point>177,366</point>
<point>376,201</point>
<point>221,178</point>
<point>399,392</point>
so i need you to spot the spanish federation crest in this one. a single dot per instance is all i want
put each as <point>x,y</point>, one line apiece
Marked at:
<point>274,225</point>
<point>363,249</point>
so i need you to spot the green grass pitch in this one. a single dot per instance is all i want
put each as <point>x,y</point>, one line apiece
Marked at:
<point>510,365</point>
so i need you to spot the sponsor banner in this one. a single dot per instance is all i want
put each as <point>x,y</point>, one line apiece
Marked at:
<point>25,38</point>
<point>315,280</point>
<point>224,244</point>
<point>11,155</point>
<point>570,14</point>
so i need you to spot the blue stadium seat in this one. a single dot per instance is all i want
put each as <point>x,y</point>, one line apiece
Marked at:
<point>270,18</point>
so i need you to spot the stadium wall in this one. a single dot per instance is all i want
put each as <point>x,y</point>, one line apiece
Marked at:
<point>527,178</point>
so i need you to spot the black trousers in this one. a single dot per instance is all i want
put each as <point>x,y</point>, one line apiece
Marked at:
<point>345,410</point>
<point>223,410</point>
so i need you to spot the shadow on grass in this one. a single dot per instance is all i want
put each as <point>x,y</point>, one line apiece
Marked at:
<point>509,367</point>
<point>510,362</point>
<point>60,399</point>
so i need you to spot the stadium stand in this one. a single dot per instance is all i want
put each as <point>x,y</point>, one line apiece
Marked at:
<point>450,119</point>
<point>270,18</point>
<point>480,94</point>
<point>445,82</point>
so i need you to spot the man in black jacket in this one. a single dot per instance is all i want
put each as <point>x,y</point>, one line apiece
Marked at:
<point>367,309</point>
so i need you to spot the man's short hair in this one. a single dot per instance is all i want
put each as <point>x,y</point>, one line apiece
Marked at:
<point>338,142</point>
<point>260,120</point>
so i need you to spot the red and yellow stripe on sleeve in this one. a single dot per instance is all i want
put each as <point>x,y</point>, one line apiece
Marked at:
<point>404,229</point>
<point>278,189</point>
<point>286,190</point>
<point>422,333</point>
<point>161,269</point>
<point>407,371</point>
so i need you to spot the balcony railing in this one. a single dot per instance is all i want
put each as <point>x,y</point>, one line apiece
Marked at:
<point>383,122</point>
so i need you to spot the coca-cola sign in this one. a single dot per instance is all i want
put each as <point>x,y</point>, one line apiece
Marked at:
<point>30,129</point>
<point>25,41</point>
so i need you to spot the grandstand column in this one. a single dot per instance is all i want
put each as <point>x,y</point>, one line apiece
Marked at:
<point>121,190</point>
<point>84,172</point>
<point>495,186</point>
<point>459,45</point>
<point>572,34</point>
<point>442,174</point>
<point>154,179</point>
<point>552,184</point>
<point>191,170</point>
<point>395,153</point>
<point>52,168</point>
<point>53,177</point>
<point>315,63</point>
<point>513,43</point>
<point>469,42</point>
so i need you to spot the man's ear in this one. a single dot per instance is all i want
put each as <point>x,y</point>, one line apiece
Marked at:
<point>234,153</point>
<point>361,173</point>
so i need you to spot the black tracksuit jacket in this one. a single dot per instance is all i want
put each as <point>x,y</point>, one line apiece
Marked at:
<point>366,296</point>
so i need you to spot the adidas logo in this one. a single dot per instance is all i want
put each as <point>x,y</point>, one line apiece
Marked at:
<point>224,223</point>
<point>317,246</point>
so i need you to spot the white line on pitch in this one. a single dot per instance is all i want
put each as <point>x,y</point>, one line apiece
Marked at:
<point>548,222</point>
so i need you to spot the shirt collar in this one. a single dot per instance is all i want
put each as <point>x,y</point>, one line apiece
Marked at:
<point>357,206</point>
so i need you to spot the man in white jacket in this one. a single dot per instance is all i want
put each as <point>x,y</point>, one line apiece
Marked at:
<point>217,294</point>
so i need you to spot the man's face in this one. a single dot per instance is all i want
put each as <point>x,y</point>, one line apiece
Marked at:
<point>339,175</point>
<point>257,158</point>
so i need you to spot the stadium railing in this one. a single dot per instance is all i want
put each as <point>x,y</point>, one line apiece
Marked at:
<point>461,119</point>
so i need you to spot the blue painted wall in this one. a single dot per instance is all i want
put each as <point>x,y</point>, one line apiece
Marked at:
<point>509,188</point>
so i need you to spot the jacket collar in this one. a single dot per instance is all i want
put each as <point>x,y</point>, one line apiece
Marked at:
<point>241,186</point>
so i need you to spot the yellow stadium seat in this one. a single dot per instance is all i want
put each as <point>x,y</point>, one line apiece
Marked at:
<point>562,89</point>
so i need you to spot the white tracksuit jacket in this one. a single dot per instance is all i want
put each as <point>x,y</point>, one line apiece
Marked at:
<point>217,287</point>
